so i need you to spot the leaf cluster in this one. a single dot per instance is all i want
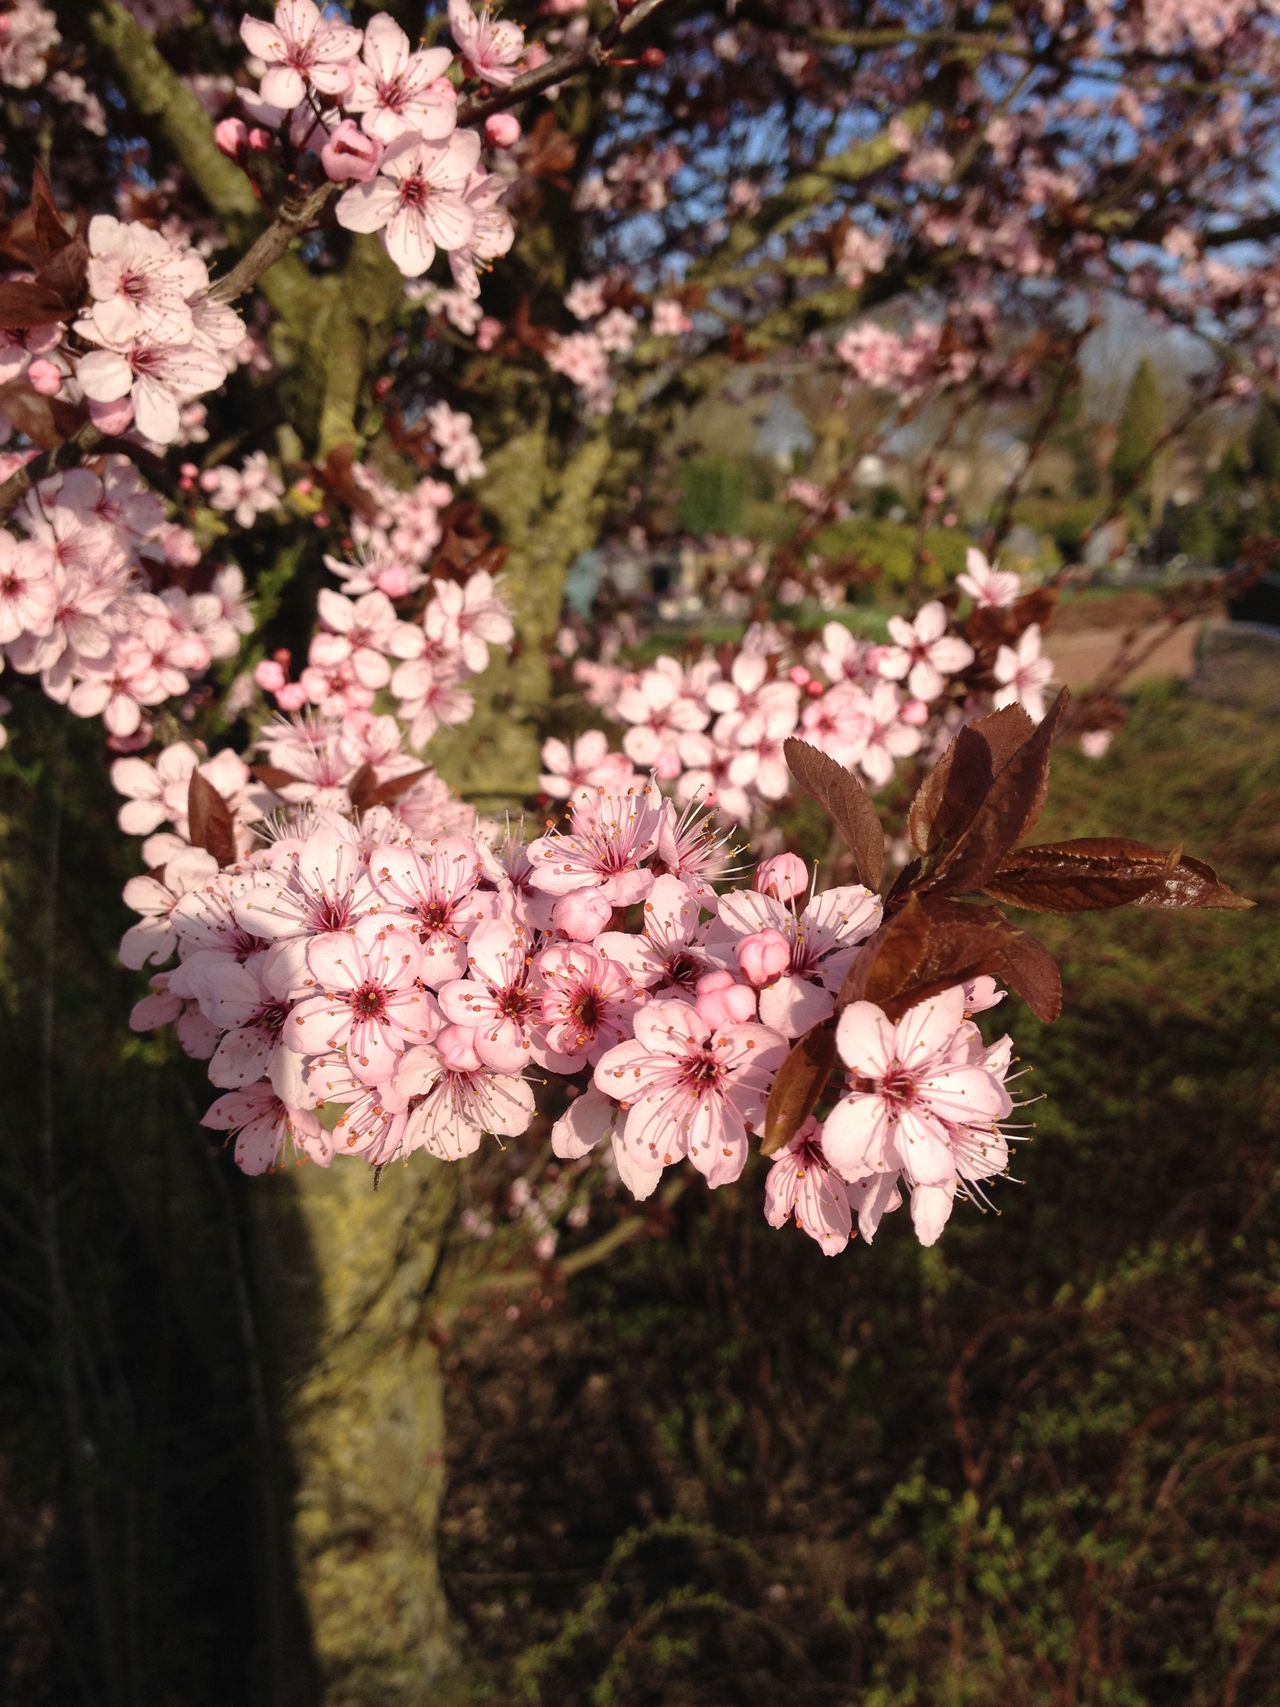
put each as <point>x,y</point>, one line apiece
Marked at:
<point>944,922</point>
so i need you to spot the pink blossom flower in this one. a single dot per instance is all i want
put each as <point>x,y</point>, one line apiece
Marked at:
<point>398,91</point>
<point>986,586</point>
<point>28,597</point>
<point>417,199</point>
<point>611,838</point>
<point>154,792</point>
<point>264,1127</point>
<point>500,999</point>
<point>468,618</point>
<point>925,653</point>
<point>924,1101</point>
<point>153,938</point>
<point>156,373</point>
<point>302,49</point>
<point>803,1184</point>
<point>139,283</point>
<point>660,709</point>
<point>591,1117</point>
<point>450,1099</point>
<point>359,634</point>
<point>667,953</point>
<point>587,1003</point>
<point>491,47</point>
<point>117,688</point>
<point>370,1005</point>
<point>888,737</point>
<point>1024,674</point>
<point>589,763</point>
<point>437,887</point>
<point>689,1088</point>
<point>823,940</point>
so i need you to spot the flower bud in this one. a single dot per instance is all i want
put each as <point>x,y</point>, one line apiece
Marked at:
<point>913,713</point>
<point>231,136</point>
<point>722,1001</point>
<point>784,877</point>
<point>502,130</point>
<point>351,155</point>
<point>763,956</point>
<point>799,675</point>
<point>487,332</point>
<point>114,417</point>
<point>269,676</point>
<point>291,697</point>
<point>259,140</point>
<point>45,377</point>
<point>581,915</point>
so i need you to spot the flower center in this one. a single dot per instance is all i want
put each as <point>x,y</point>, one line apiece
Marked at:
<point>368,1002</point>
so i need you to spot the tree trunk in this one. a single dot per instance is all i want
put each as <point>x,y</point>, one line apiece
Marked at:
<point>350,1272</point>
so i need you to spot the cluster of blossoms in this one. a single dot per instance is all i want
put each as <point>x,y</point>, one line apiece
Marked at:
<point>158,337</point>
<point>162,339</point>
<point>886,360</point>
<point>714,731</point>
<point>77,606</point>
<point>384,118</point>
<point>363,646</point>
<point>608,332</point>
<point>366,986</point>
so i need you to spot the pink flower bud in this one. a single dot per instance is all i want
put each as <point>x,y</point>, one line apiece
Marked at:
<point>914,712</point>
<point>487,332</point>
<point>582,915</point>
<point>269,676</point>
<point>799,675</point>
<point>259,140</point>
<point>292,697</point>
<point>111,418</point>
<point>350,154</point>
<point>722,1001</point>
<point>231,136</point>
<point>45,377</point>
<point>784,877</point>
<point>393,580</point>
<point>457,1046</point>
<point>502,130</point>
<point>763,956</point>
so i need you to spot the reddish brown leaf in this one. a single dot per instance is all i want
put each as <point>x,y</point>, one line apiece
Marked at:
<point>933,944</point>
<point>273,777</point>
<point>1000,817</point>
<point>846,802</point>
<point>362,786</point>
<point>65,273</point>
<point>1031,972</point>
<point>946,800</point>
<point>34,416</point>
<point>1106,871</point>
<point>389,792</point>
<point>51,233</point>
<point>800,1081</point>
<point>212,826</point>
<point>26,302</point>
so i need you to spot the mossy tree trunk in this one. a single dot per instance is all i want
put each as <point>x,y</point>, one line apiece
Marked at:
<point>351,1280</point>
<point>352,1275</point>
